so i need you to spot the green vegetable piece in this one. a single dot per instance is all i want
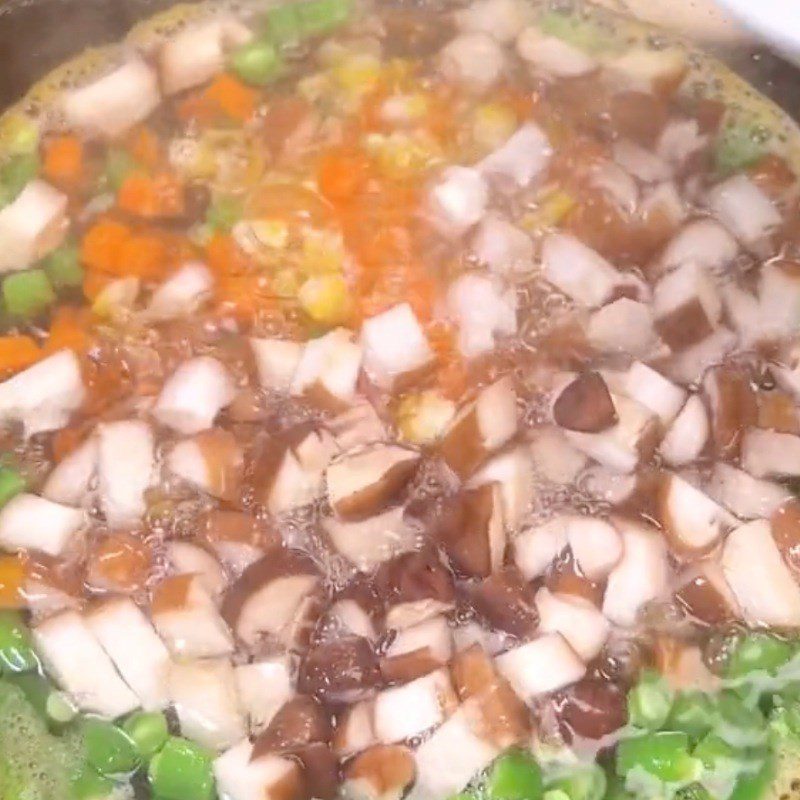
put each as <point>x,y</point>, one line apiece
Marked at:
<point>223,213</point>
<point>17,172</point>
<point>587,783</point>
<point>664,755</point>
<point>22,135</point>
<point>148,730</point>
<point>108,748</point>
<point>738,146</point>
<point>739,724</point>
<point>283,24</point>
<point>63,267</point>
<point>758,652</point>
<point>91,785</point>
<point>27,294</point>
<point>11,484</point>
<point>514,776</point>
<point>580,32</point>
<point>712,749</point>
<point>649,702</point>
<point>756,785</point>
<point>181,770</point>
<point>119,164</point>
<point>321,16</point>
<point>257,62</point>
<point>691,713</point>
<point>556,794</point>
<point>16,646</point>
<point>51,704</point>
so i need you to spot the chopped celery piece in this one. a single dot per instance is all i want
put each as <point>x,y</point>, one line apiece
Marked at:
<point>51,704</point>
<point>283,23</point>
<point>584,783</point>
<point>16,647</point>
<point>257,62</point>
<point>576,30</point>
<point>63,267</point>
<point>11,484</point>
<point>514,776</point>
<point>738,723</point>
<point>91,785</point>
<point>649,702</point>
<point>738,146</point>
<point>663,755</point>
<point>148,730</point>
<point>223,213</point>
<point>182,770</point>
<point>321,16</point>
<point>27,294</point>
<point>108,748</point>
<point>119,164</point>
<point>691,713</point>
<point>757,652</point>
<point>17,172</point>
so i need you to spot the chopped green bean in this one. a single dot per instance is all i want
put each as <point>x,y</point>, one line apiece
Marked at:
<point>664,755</point>
<point>16,646</point>
<point>321,16</point>
<point>148,730</point>
<point>108,748</point>
<point>63,267</point>
<point>27,294</point>
<point>181,770</point>
<point>758,652</point>
<point>649,702</point>
<point>283,24</point>
<point>515,775</point>
<point>91,785</point>
<point>738,723</point>
<point>18,171</point>
<point>257,62</point>
<point>585,783</point>
<point>692,713</point>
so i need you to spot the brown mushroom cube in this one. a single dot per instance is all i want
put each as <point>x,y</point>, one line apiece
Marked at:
<point>585,405</point>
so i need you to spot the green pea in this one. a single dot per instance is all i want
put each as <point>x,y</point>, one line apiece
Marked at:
<point>649,702</point>
<point>257,62</point>
<point>108,748</point>
<point>586,783</point>
<point>148,730</point>
<point>283,24</point>
<point>27,294</point>
<point>321,16</point>
<point>16,646</point>
<point>63,267</point>
<point>181,770</point>
<point>514,776</point>
<point>91,785</point>
<point>664,755</point>
<point>17,172</point>
<point>758,652</point>
<point>692,713</point>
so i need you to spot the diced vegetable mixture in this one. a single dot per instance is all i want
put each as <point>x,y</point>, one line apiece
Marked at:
<point>399,401</point>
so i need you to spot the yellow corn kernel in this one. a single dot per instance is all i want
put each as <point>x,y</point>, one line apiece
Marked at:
<point>117,297</point>
<point>552,210</point>
<point>492,124</point>
<point>402,155</point>
<point>285,283</point>
<point>357,73</point>
<point>323,251</point>
<point>326,299</point>
<point>422,418</point>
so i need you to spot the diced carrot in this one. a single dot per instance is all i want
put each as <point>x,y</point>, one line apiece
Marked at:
<point>342,174</point>
<point>233,98</point>
<point>102,245</point>
<point>143,257</point>
<point>244,295</point>
<point>12,581</point>
<point>159,195</point>
<point>69,328</point>
<point>197,107</point>
<point>94,282</point>
<point>145,146</point>
<point>120,562</point>
<point>225,257</point>
<point>64,161</point>
<point>18,352</point>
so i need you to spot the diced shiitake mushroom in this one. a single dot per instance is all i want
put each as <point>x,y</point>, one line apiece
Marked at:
<point>648,70</point>
<point>687,306</point>
<point>417,650</point>
<point>194,394</point>
<point>355,729</point>
<point>70,480</point>
<point>744,209</point>
<point>382,772</point>
<point>369,542</point>
<point>688,366</point>
<point>403,712</point>
<point>505,603</point>
<point>680,139</point>
<point>277,596</point>
<point>552,56</point>
<point>300,722</point>
<point>480,428</point>
<point>484,310</point>
<point>203,694</point>
<point>187,619</point>
<point>123,481</point>
<point>357,426</point>
<point>128,638</point>
<point>182,293</point>
<point>577,620</point>
<point>276,362</point>
<point>457,200</point>
<point>30,522</point>
<point>642,574</point>
<point>585,405</point>
<point>328,370</point>
<point>770,454</point>
<point>692,522</point>
<point>535,548</point>
<point>31,225</point>
<point>188,558</point>
<point>364,483</point>
<point>623,326</point>
<point>541,666</point>
<point>501,19</point>
<point>742,494</point>
<point>578,271</point>
<point>687,434</point>
<point>759,577</point>
<point>640,162</point>
<point>395,347</point>
<point>239,776</point>
<point>503,247</point>
<point>554,458</point>
<point>194,55</point>
<point>702,591</point>
<point>618,186</point>
<point>211,461</point>
<point>733,407</point>
<point>44,396</point>
<point>616,489</point>
<point>778,299</point>
<point>653,391</point>
<point>263,688</point>
<point>343,670</point>
<point>703,242</point>
<point>595,544</point>
<point>112,104</point>
<point>350,616</point>
<point>474,60</point>
<point>80,666</point>
<point>521,158</point>
<point>238,539</point>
